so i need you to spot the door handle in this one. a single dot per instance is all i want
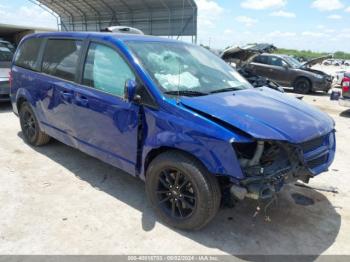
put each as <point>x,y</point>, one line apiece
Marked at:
<point>82,100</point>
<point>66,95</point>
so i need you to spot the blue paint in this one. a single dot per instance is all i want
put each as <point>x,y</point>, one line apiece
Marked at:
<point>107,126</point>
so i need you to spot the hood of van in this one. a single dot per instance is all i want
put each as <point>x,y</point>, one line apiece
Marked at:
<point>264,114</point>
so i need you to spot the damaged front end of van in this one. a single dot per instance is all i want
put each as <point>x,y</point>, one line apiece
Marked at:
<point>286,140</point>
<point>269,165</point>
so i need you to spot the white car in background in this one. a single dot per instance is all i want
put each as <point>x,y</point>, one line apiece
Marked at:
<point>339,76</point>
<point>334,62</point>
<point>6,55</point>
<point>327,62</point>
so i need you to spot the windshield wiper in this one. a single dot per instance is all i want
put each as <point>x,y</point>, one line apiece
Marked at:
<point>186,93</point>
<point>228,89</point>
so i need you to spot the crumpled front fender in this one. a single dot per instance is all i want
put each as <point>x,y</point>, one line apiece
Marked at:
<point>210,144</point>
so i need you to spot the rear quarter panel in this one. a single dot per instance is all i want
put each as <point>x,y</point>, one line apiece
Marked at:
<point>24,84</point>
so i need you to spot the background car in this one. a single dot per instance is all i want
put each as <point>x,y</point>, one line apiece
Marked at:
<point>327,62</point>
<point>337,62</point>
<point>6,56</point>
<point>334,62</point>
<point>240,57</point>
<point>345,99</point>
<point>339,76</point>
<point>287,71</point>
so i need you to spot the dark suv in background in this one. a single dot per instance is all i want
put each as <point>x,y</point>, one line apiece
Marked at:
<point>289,72</point>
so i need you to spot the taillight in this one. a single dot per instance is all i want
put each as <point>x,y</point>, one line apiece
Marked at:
<point>10,78</point>
<point>345,89</point>
<point>346,84</point>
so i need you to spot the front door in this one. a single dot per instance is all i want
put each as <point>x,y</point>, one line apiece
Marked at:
<point>260,66</point>
<point>278,70</point>
<point>105,124</point>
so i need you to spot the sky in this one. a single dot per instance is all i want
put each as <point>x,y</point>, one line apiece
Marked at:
<point>318,25</point>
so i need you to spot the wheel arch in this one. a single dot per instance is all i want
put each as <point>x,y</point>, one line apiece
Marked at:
<point>20,102</point>
<point>152,154</point>
<point>300,77</point>
<point>22,95</point>
<point>303,77</point>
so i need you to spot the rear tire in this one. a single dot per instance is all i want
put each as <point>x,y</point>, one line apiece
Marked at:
<point>181,191</point>
<point>30,127</point>
<point>302,86</point>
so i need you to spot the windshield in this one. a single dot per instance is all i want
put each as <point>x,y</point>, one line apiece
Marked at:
<point>187,68</point>
<point>292,61</point>
<point>5,54</point>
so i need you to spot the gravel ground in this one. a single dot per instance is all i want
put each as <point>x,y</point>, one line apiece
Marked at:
<point>57,200</point>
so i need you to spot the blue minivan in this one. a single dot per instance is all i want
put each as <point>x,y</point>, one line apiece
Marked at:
<point>170,113</point>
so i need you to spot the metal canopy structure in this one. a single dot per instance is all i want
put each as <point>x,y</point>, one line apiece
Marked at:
<point>14,33</point>
<point>153,17</point>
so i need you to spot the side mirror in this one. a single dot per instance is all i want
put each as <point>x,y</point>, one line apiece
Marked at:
<point>285,66</point>
<point>130,91</point>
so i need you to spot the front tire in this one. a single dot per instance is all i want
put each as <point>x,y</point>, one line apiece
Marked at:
<point>30,127</point>
<point>302,86</point>
<point>181,191</point>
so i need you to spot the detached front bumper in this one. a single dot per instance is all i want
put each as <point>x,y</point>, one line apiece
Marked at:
<point>294,162</point>
<point>4,90</point>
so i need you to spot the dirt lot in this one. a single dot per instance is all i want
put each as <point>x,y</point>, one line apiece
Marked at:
<point>56,200</point>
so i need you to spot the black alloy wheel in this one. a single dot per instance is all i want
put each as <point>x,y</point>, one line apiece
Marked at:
<point>302,86</point>
<point>176,194</point>
<point>30,127</point>
<point>182,191</point>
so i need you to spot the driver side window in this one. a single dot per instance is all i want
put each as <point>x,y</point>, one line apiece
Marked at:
<point>106,70</point>
<point>284,64</point>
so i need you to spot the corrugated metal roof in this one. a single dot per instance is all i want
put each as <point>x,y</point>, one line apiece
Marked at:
<point>155,17</point>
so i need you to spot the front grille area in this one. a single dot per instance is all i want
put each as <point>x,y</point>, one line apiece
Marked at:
<point>318,151</point>
<point>312,144</point>
<point>318,161</point>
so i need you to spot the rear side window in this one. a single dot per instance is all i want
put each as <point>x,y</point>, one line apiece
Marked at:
<point>61,58</point>
<point>261,59</point>
<point>106,70</point>
<point>27,55</point>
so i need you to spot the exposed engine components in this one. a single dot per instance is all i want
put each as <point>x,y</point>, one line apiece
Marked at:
<point>268,165</point>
